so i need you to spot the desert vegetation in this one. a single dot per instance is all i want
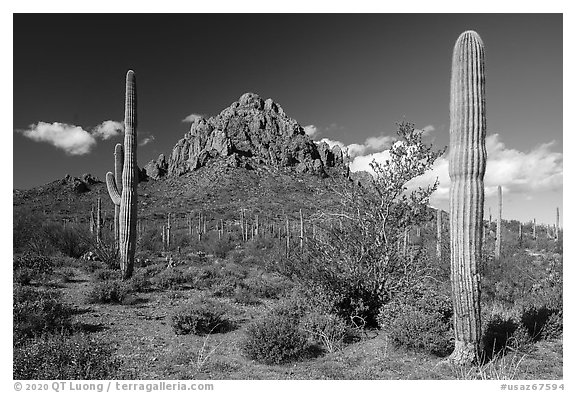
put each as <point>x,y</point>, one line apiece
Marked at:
<point>286,275</point>
<point>277,300</point>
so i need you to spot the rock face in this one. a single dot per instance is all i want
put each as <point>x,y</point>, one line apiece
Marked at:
<point>80,185</point>
<point>155,169</point>
<point>250,131</point>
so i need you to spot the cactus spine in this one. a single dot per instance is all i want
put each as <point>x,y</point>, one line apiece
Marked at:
<point>467,167</point>
<point>127,199</point>
<point>498,243</point>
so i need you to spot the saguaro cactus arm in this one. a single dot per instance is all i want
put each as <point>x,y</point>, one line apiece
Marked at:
<point>112,189</point>
<point>466,168</point>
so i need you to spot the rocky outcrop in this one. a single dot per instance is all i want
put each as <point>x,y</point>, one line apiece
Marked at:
<point>249,132</point>
<point>80,185</point>
<point>155,169</point>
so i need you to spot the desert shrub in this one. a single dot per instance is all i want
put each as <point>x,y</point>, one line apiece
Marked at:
<point>327,329</point>
<point>170,278</point>
<point>553,328</point>
<point>37,311</point>
<point>277,337</point>
<point>220,248</point>
<point>139,282</point>
<point>72,240</point>
<point>26,229</point>
<point>66,273</point>
<point>107,274</point>
<point>106,252</point>
<point>150,239</point>
<point>267,286</point>
<point>152,270</point>
<point>416,329</point>
<point>29,266</point>
<point>358,260</point>
<point>245,296</point>
<point>201,316</point>
<point>535,318</point>
<point>419,318</point>
<point>497,332</point>
<point>205,276</point>
<point>58,356</point>
<point>112,291</point>
<point>229,277</point>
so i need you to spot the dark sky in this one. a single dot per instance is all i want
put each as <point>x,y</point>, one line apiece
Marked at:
<point>351,75</point>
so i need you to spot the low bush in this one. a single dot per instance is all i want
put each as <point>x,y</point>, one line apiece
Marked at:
<point>30,266</point>
<point>139,282</point>
<point>553,328</point>
<point>201,316</point>
<point>58,356</point>
<point>37,311</point>
<point>220,248</point>
<point>170,278</point>
<point>246,297</point>
<point>113,291</point>
<point>107,274</point>
<point>267,286</point>
<point>416,329</point>
<point>419,319</point>
<point>66,273</point>
<point>326,329</point>
<point>277,338</point>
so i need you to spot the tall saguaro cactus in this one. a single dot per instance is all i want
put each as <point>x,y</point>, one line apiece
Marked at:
<point>498,243</point>
<point>467,167</point>
<point>127,199</point>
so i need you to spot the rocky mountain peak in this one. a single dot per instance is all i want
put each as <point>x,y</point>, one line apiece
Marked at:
<point>249,132</point>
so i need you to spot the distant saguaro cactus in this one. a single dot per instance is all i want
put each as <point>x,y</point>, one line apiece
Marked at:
<point>557,227</point>
<point>92,223</point>
<point>99,220</point>
<point>168,232</point>
<point>498,243</point>
<point>439,234</point>
<point>128,198</point>
<point>118,167</point>
<point>466,168</point>
<point>534,235</point>
<point>301,231</point>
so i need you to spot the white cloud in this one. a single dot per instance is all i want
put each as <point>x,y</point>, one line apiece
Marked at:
<point>537,170</point>
<point>311,130</point>
<point>428,130</point>
<point>147,140</point>
<point>74,140</point>
<point>379,142</point>
<point>191,118</point>
<point>362,163</point>
<point>108,129</point>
